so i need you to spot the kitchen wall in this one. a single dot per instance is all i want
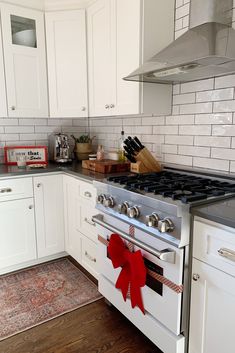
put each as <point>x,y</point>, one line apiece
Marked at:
<point>36,131</point>
<point>201,130</point>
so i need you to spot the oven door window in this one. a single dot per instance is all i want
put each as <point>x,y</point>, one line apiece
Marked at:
<point>151,282</point>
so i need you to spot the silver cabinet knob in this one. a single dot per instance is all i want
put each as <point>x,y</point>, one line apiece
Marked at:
<point>123,207</point>
<point>109,202</point>
<point>83,109</point>
<point>112,105</point>
<point>101,198</point>
<point>13,107</point>
<point>152,220</point>
<point>88,194</point>
<point>30,207</point>
<point>39,185</point>
<point>196,277</point>
<point>166,225</point>
<point>107,106</point>
<point>133,212</point>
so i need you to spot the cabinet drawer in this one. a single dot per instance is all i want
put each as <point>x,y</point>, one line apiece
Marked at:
<point>88,227</point>
<point>89,256</point>
<point>215,245</point>
<point>87,192</point>
<point>13,189</point>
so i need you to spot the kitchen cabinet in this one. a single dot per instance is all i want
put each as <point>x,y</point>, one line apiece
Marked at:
<point>80,232</point>
<point>3,94</point>
<point>121,36</point>
<point>25,61</point>
<point>213,289</point>
<point>71,212</point>
<point>48,193</point>
<point>67,63</point>
<point>17,236</point>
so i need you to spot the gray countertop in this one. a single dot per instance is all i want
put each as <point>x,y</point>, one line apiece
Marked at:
<point>72,169</point>
<point>222,212</point>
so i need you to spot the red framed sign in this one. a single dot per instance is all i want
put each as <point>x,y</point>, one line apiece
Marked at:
<point>33,154</point>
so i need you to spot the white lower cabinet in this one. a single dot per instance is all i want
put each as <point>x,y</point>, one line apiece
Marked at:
<point>213,290</point>
<point>17,235</point>
<point>80,232</point>
<point>48,193</point>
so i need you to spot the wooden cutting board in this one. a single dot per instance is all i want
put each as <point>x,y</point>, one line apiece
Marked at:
<point>106,166</point>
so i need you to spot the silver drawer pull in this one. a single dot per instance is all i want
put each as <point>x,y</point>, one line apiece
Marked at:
<point>228,254</point>
<point>166,255</point>
<point>87,194</point>
<point>2,191</point>
<point>89,222</point>
<point>93,259</point>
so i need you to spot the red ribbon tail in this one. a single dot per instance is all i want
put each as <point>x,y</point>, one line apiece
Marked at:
<point>123,282</point>
<point>136,298</point>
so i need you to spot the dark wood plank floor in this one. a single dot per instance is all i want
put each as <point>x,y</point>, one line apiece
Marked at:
<point>94,328</point>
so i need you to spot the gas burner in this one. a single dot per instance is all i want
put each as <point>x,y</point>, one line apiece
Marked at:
<point>187,188</point>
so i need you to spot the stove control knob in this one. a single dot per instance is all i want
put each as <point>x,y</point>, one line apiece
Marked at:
<point>101,198</point>
<point>133,212</point>
<point>152,220</point>
<point>166,225</point>
<point>123,207</point>
<point>109,202</point>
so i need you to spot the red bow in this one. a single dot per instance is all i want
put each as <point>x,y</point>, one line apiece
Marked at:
<point>133,272</point>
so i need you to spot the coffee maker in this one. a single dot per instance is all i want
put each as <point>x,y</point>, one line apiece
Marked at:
<point>59,149</point>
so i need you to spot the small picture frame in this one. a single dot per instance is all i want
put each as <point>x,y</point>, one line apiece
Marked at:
<point>33,154</point>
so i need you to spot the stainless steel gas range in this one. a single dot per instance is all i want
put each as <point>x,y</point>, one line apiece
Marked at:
<point>151,212</point>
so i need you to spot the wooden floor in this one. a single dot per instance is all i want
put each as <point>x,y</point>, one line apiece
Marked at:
<point>94,328</point>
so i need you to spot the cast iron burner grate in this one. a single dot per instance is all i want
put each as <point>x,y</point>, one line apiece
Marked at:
<point>177,186</point>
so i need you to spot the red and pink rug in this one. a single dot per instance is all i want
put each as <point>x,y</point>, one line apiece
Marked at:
<point>35,295</point>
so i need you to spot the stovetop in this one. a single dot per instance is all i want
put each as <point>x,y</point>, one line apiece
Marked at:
<point>188,188</point>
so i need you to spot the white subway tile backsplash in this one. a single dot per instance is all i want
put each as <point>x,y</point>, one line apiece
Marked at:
<point>165,130</point>
<point>215,95</point>
<point>28,121</point>
<point>194,151</point>
<point>180,120</point>
<point>179,140</point>
<point>180,32</point>
<point>18,129</point>
<point>195,130</point>
<point>179,24</point>
<point>155,120</point>
<point>223,153</point>
<point>212,141</point>
<point>182,11</point>
<point>11,121</point>
<point>156,139</point>
<point>179,3</point>
<point>225,81</point>
<point>224,106</point>
<point>196,108</point>
<point>184,98</point>
<point>9,137</point>
<point>1,130</point>
<point>33,137</point>
<point>197,86</point>
<point>223,130</point>
<point>185,21</point>
<point>177,159</point>
<point>233,142</point>
<point>172,149</point>
<point>220,118</point>
<point>209,163</point>
<point>232,167</point>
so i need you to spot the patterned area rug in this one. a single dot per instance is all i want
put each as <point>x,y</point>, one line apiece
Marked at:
<point>35,295</point>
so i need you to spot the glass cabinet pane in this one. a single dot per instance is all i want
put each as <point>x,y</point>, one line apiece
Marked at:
<point>23,31</point>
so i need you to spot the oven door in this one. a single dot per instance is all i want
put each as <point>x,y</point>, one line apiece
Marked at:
<point>160,300</point>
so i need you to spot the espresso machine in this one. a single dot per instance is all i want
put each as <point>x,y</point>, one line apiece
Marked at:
<point>59,148</point>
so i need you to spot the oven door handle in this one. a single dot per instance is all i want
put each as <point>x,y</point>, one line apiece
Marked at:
<point>166,255</point>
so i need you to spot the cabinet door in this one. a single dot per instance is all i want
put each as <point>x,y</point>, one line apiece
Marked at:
<point>128,51</point>
<point>48,191</point>
<point>72,217</point>
<point>17,236</point>
<point>67,63</point>
<point>212,310</point>
<point>101,56</point>
<point>25,61</point>
<point>3,97</point>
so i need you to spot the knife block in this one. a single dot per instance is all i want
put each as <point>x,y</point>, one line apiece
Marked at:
<point>145,163</point>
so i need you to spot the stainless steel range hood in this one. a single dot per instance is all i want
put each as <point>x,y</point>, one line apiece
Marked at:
<point>206,50</point>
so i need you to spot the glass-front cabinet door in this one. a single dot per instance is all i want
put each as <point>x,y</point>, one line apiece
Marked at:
<point>25,61</point>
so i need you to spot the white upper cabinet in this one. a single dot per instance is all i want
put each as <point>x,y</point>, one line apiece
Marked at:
<point>3,97</point>
<point>67,63</point>
<point>25,61</point>
<point>122,35</point>
<point>101,70</point>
